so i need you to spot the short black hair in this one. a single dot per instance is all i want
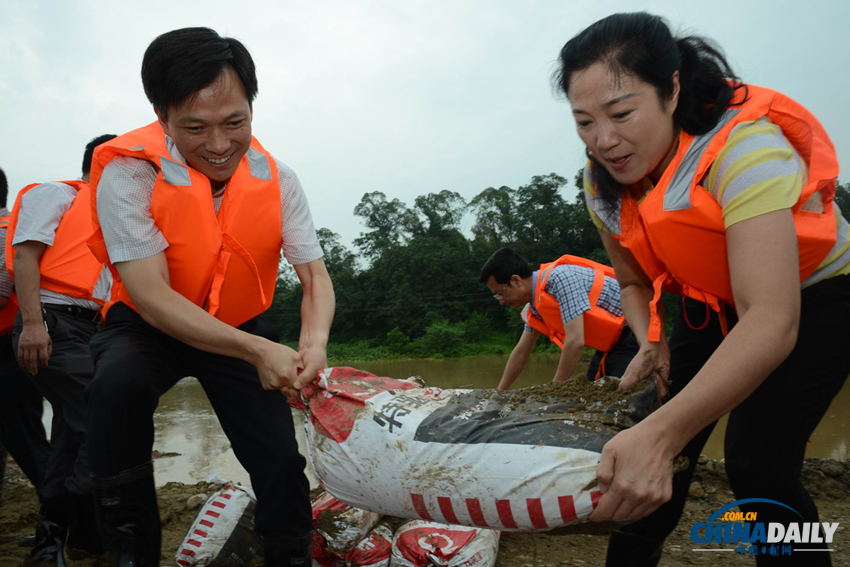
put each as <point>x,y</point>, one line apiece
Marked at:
<point>503,264</point>
<point>89,153</point>
<point>4,189</point>
<point>180,63</point>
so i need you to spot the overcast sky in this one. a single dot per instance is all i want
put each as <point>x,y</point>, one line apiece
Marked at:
<point>402,97</point>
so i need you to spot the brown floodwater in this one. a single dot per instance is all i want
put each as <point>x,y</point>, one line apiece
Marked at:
<point>190,445</point>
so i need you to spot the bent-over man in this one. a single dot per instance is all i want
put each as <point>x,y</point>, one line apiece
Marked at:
<point>193,214</point>
<point>573,301</point>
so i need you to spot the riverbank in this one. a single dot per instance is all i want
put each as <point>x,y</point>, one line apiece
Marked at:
<point>439,344</point>
<point>827,480</point>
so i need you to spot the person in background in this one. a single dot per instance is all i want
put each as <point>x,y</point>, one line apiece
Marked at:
<point>193,213</point>
<point>61,288</point>
<point>21,404</point>
<point>721,191</point>
<point>573,301</point>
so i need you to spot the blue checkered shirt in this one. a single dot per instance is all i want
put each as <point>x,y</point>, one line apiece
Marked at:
<point>570,285</point>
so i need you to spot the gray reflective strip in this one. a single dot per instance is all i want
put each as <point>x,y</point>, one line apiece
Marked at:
<point>544,274</point>
<point>137,148</point>
<point>841,261</point>
<point>677,197</point>
<point>258,164</point>
<point>174,173</point>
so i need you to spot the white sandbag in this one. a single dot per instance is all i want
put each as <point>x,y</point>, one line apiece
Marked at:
<point>222,534</point>
<point>521,460</point>
<point>420,543</point>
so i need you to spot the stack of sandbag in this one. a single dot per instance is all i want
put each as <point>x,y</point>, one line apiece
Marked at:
<point>222,534</point>
<point>420,543</point>
<point>521,460</point>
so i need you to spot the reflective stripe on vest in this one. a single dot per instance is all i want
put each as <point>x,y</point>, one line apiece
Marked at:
<point>677,197</point>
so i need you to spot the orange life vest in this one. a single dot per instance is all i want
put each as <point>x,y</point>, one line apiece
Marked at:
<point>68,266</point>
<point>677,233</point>
<point>8,312</point>
<point>226,263</point>
<point>601,328</point>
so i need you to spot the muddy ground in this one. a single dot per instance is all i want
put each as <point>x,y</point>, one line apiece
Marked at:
<point>827,480</point>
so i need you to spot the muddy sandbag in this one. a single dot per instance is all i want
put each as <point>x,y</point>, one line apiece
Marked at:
<point>341,526</point>
<point>519,460</point>
<point>222,534</point>
<point>373,551</point>
<point>420,544</point>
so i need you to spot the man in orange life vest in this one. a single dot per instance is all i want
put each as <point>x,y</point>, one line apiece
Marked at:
<point>575,302</point>
<point>21,429</point>
<point>193,213</point>
<point>61,288</point>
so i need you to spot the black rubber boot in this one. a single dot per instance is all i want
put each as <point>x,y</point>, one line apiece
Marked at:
<point>83,533</point>
<point>49,535</point>
<point>129,517</point>
<point>288,551</point>
<point>631,550</point>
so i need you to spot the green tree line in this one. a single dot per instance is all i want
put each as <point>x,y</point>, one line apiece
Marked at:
<point>410,289</point>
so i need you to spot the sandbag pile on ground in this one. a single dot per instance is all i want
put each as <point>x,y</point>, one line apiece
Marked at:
<point>420,543</point>
<point>222,534</point>
<point>521,460</point>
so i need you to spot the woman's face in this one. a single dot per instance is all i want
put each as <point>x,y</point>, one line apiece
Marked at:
<point>621,119</point>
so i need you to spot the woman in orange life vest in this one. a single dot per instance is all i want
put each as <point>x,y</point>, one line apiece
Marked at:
<point>722,192</point>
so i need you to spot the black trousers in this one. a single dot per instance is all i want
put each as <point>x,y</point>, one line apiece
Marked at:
<point>766,434</point>
<point>618,358</point>
<point>69,370</point>
<point>21,408</point>
<point>135,364</point>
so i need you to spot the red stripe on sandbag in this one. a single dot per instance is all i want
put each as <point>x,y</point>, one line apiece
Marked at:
<point>568,508</point>
<point>535,513</point>
<point>594,498</point>
<point>225,495</point>
<point>194,542</point>
<point>219,504</point>
<point>183,563</point>
<point>505,513</point>
<point>474,507</point>
<point>188,552</point>
<point>206,523</point>
<point>419,505</point>
<point>447,509</point>
<point>213,514</point>
<point>201,533</point>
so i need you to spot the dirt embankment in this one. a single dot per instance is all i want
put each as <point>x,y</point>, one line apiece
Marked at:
<point>827,480</point>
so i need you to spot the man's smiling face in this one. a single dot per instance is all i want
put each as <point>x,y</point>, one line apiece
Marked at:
<point>212,128</point>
